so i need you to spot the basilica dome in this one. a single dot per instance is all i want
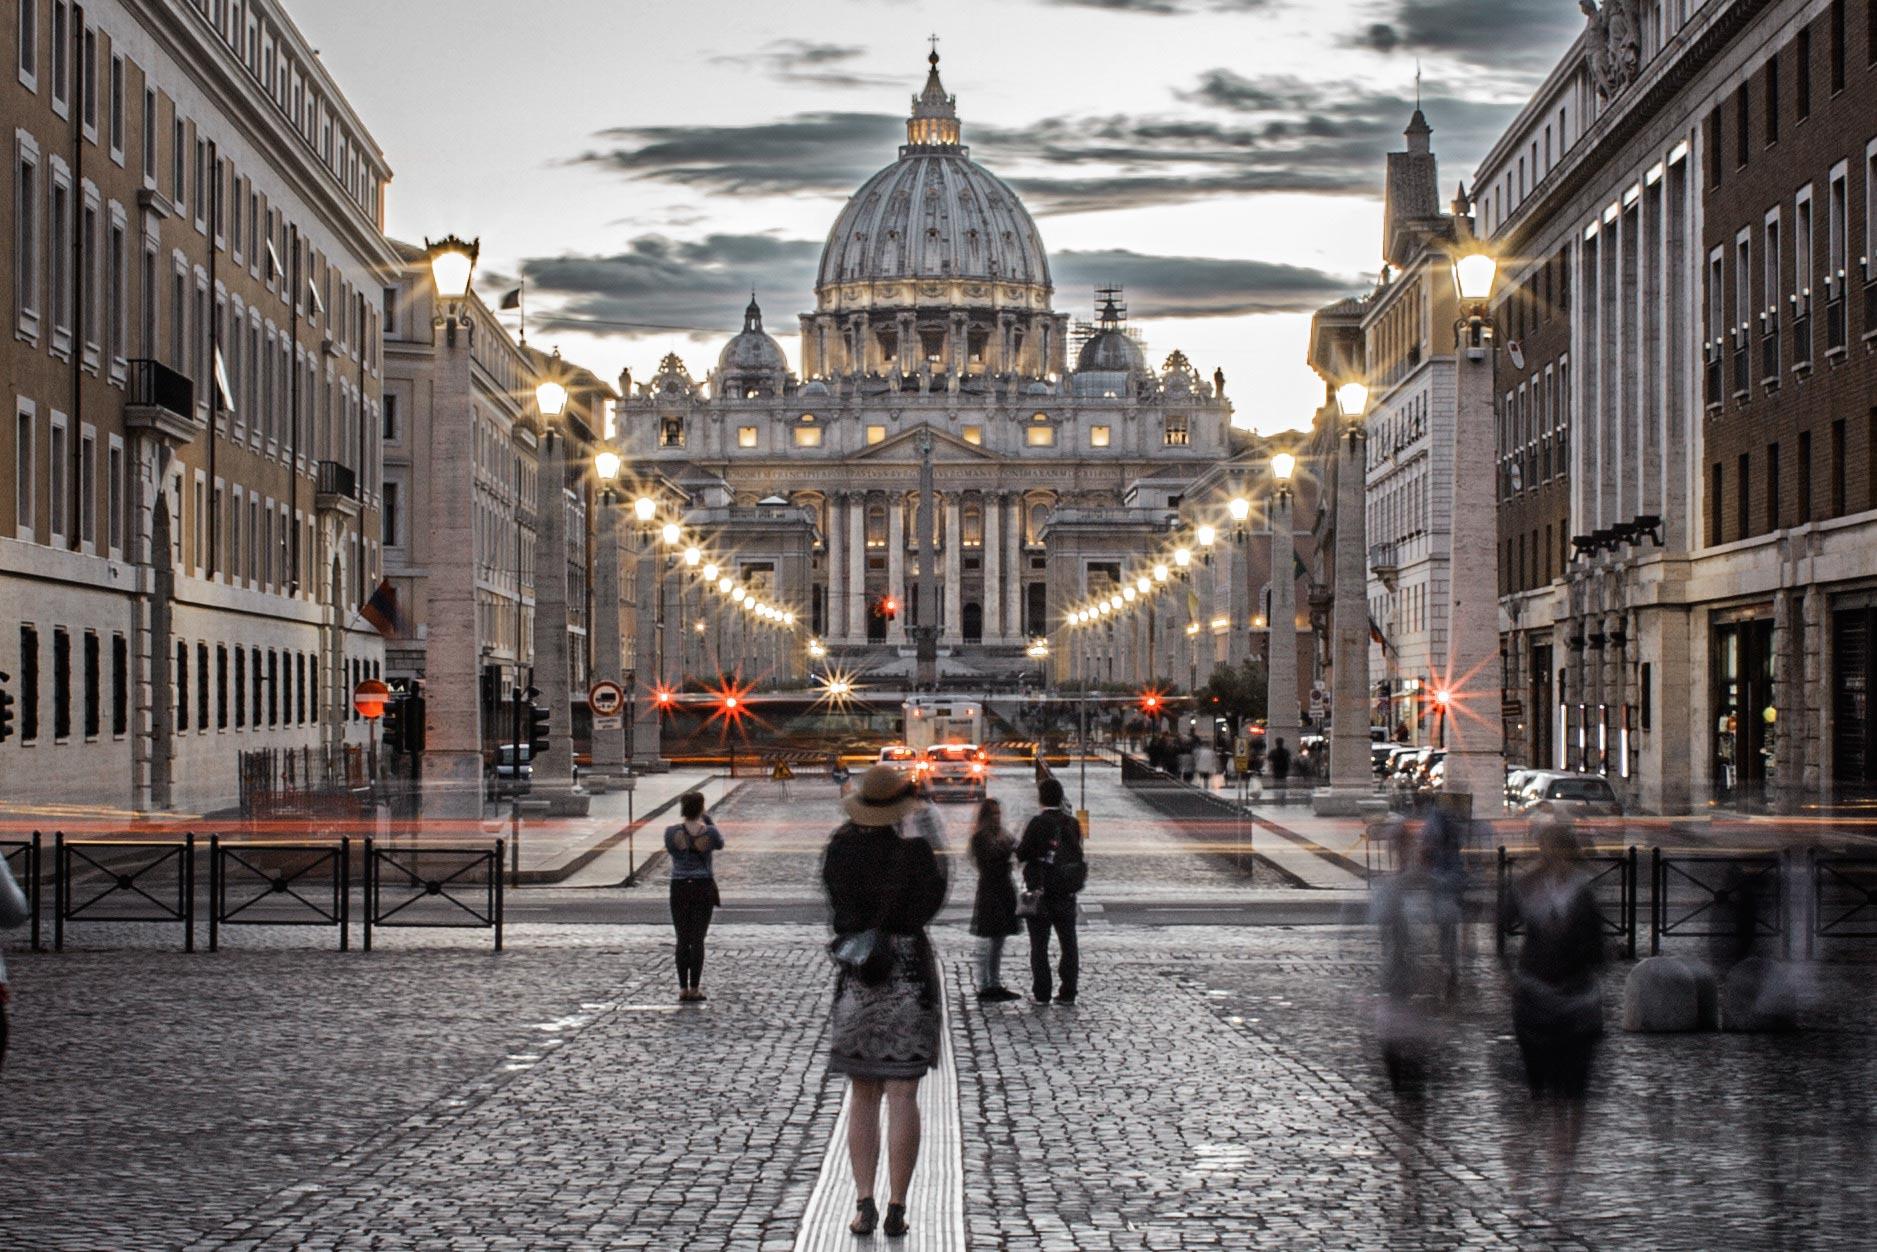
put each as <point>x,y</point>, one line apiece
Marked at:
<point>936,216</point>
<point>752,363</point>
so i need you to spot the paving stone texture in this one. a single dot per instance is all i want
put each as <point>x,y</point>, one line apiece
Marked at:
<point>1215,1087</point>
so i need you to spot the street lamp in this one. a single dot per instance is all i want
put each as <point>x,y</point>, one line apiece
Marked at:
<point>1240,509</point>
<point>1350,777</point>
<point>452,263</point>
<point>1281,713</point>
<point>645,509</point>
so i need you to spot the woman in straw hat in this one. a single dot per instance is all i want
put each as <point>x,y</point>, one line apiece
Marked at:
<point>883,887</point>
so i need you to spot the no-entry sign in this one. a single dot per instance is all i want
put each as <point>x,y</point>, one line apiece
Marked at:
<point>369,699</point>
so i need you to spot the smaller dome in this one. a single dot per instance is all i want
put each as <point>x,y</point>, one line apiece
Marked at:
<point>814,387</point>
<point>752,351</point>
<point>1111,350</point>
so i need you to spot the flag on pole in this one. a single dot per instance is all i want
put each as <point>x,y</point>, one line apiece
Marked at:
<point>1376,636</point>
<point>512,300</point>
<point>221,383</point>
<point>312,290</point>
<point>382,611</point>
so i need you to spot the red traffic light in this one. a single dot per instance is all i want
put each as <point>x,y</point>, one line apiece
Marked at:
<point>1150,702</point>
<point>663,697</point>
<point>889,607</point>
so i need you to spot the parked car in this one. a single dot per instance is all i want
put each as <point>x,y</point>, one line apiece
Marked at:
<point>908,761</point>
<point>1574,795</point>
<point>510,773</point>
<point>952,768</point>
<point>1380,754</point>
<point>1516,778</point>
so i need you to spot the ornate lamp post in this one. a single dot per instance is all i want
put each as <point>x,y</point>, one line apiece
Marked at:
<point>1473,683</point>
<point>1350,775</point>
<point>608,746</point>
<point>553,776</point>
<point>642,739</point>
<point>1238,645</point>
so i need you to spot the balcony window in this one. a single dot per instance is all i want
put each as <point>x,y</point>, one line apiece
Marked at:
<point>808,436</point>
<point>746,436</point>
<point>1039,436</point>
<point>1098,436</point>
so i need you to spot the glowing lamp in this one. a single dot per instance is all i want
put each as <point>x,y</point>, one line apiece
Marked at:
<point>1239,508</point>
<point>1283,465</point>
<point>605,464</point>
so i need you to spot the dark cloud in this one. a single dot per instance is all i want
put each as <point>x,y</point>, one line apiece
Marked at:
<point>831,153</point>
<point>1167,8</point>
<point>1527,35</point>
<point>700,286</point>
<point>1185,286</point>
<point>804,63</point>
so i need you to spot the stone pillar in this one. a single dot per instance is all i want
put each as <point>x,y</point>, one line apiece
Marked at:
<point>553,771</point>
<point>1013,569</point>
<point>896,566</point>
<point>452,765</point>
<point>993,568</point>
<point>1475,728</point>
<point>855,590</point>
<point>609,746</point>
<point>952,628</point>
<point>834,624</point>
<point>1351,777</point>
<point>1788,696</point>
<point>1282,721</point>
<point>1238,567</point>
<point>1810,741</point>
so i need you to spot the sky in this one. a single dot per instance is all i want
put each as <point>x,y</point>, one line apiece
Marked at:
<point>642,166</point>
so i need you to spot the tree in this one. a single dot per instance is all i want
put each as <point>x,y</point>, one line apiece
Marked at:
<point>1235,692</point>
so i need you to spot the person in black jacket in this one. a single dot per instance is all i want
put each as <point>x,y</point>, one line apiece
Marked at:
<point>994,910</point>
<point>1053,864</point>
<point>883,888</point>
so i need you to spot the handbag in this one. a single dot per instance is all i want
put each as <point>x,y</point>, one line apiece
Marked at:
<point>1029,903</point>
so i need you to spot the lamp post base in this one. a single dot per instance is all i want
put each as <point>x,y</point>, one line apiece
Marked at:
<point>1346,802</point>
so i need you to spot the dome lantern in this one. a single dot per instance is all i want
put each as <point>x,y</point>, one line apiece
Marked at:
<point>934,120</point>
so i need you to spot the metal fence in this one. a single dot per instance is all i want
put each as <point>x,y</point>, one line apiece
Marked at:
<point>22,857</point>
<point>280,884</point>
<point>124,880</point>
<point>1613,885</point>
<point>1844,898</point>
<point>433,887</point>
<point>1715,895</point>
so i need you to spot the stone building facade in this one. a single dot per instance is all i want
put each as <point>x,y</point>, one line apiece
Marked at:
<point>935,320</point>
<point>189,508</point>
<point>1685,213</point>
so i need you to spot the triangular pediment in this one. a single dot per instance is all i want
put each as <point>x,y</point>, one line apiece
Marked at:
<point>946,447</point>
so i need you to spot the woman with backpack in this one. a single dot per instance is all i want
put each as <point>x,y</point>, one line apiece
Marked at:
<point>1054,872</point>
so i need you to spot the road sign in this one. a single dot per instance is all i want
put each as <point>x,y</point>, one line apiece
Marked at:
<point>609,723</point>
<point>369,699</point>
<point>606,698</point>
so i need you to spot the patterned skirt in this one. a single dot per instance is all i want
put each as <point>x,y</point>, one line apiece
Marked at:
<point>891,1029</point>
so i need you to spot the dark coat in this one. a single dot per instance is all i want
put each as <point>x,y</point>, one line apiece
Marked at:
<point>994,911</point>
<point>1051,842</point>
<point>876,877</point>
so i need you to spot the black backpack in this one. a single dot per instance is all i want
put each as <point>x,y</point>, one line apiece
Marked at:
<point>1069,873</point>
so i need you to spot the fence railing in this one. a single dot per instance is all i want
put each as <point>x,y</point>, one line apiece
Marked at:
<point>280,884</point>
<point>23,859</point>
<point>1844,898</point>
<point>1713,895</point>
<point>1613,886</point>
<point>124,881</point>
<point>428,887</point>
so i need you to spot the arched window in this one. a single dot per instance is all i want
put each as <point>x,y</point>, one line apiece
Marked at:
<point>973,525</point>
<point>1038,514</point>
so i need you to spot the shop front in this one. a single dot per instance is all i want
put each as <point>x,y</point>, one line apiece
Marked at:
<point>1744,739</point>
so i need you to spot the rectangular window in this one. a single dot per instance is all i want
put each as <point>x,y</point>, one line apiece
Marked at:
<point>56,502</point>
<point>118,312</point>
<point>241,684</point>
<point>299,688</point>
<point>202,686</point>
<point>1837,231</point>
<point>1174,432</point>
<point>1838,451</point>
<point>88,277</point>
<point>273,687</point>
<point>388,512</point>
<point>1802,88</point>
<point>1743,108</point>
<point>254,687</point>
<point>61,55</point>
<point>1715,148</point>
<point>29,44</point>
<point>1772,482</point>
<point>1802,259</point>
<point>671,433</point>
<point>1098,436</point>
<point>94,678</point>
<point>117,108</point>
<point>23,472</point>
<point>120,686</point>
<point>1039,436</point>
<point>808,436</point>
<point>1716,507</point>
<point>875,434</point>
<point>88,78</point>
<point>59,239</point>
<point>1805,477</point>
<point>746,435</point>
<point>182,686</point>
<point>1836,20</point>
<point>29,683</point>
<point>221,686</point>
<point>974,435</point>
<point>1772,100</point>
<point>391,418</point>
<point>114,496</point>
<point>61,684</point>
<point>88,489</point>
<point>1743,495</point>
<point>26,242</point>
<point>149,135</point>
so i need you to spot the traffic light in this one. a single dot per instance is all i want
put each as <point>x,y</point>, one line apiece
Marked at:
<point>392,727</point>
<point>537,729</point>
<point>1150,702</point>
<point>6,707</point>
<point>414,722</point>
<point>889,607</point>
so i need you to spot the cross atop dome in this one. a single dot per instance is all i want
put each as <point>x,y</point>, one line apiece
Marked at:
<point>934,120</point>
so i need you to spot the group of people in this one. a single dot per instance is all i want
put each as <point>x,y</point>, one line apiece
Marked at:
<point>885,872</point>
<point>1193,759</point>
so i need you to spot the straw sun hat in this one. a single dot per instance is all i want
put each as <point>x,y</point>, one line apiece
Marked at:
<point>884,796</point>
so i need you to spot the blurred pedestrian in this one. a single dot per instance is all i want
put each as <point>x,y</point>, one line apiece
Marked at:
<point>838,772</point>
<point>994,910</point>
<point>883,888</point>
<point>14,911</point>
<point>694,894</point>
<point>1205,764</point>
<point>1279,760</point>
<point>1557,1003</point>
<point>1056,870</point>
<point>1188,747</point>
<point>1442,838</point>
<point>1401,908</point>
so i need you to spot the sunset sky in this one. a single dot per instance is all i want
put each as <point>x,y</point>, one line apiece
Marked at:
<point>649,164</point>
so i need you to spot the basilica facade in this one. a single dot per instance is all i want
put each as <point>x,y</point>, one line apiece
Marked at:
<point>1060,458</point>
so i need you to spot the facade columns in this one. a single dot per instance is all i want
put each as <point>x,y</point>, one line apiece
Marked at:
<point>993,567</point>
<point>855,592</point>
<point>1475,725</point>
<point>553,671</point>
<point>609,747</point>
<point>1238,634</point>
<point>835,624</point>
<point>951,627</point>
<point>1351,777</point>
<point>646,726</point>
<point>896,567</point>
<point>452,764</point>
<point>1281,712</point>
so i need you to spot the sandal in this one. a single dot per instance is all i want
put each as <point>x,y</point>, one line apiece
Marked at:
<point>865,1219</point>
<point>896,1221</point>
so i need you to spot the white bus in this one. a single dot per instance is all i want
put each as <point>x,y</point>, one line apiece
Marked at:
<point>929,720</point>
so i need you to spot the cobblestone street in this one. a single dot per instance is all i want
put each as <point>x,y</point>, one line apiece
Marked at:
<point>1215,1086</point>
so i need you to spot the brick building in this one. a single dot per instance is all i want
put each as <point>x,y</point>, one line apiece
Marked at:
<point>189,198</point>
<point>1688,524</point>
